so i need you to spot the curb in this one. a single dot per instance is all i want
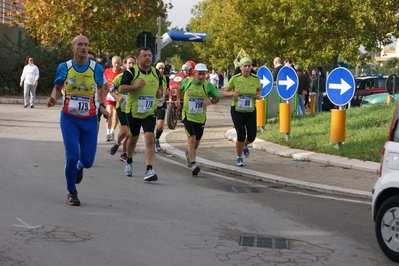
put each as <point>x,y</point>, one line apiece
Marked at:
<point>38,100</point>
<point>259,176</point>
<point>333,160</point>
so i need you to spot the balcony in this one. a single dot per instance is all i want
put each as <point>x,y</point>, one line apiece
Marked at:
<point>9,11</point>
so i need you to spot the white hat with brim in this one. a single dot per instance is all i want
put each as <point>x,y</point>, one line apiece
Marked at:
<point>200,67</point>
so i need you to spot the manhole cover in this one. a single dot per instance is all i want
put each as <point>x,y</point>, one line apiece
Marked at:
<point>262,242</point>
<point>243,189</point>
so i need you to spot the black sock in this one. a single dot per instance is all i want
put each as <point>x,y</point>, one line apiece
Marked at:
<point>158,133</point>
<point>192,163</point>
<point>129,160</point>
<point>149,167</point>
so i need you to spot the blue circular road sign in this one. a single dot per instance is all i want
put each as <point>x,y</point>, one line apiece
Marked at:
<point>287,82</point>
<point>340,86</point>
<point>266,80</point>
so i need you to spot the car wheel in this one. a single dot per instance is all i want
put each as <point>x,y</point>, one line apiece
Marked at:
<point>387,228</point>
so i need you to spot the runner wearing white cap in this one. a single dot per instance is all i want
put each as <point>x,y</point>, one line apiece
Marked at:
<point>198,94</point>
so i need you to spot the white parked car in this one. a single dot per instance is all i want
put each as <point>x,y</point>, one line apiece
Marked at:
<point>385,203</point>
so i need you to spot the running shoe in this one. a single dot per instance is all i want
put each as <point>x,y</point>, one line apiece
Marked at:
<point>79,176</point>
<point>108,137</point>
<point>123,157</point>
<point>246,151</point>
<point>195,169</point>
<point>112,136</point>
<point>188,163</point>
<point>128,169</point>
<point>157,146</point>
<point>113,149</point>
<point>239,161</point>
<point>150,175</point>
<point>32,106</point>
<point>72,198</point>
<point>26,105</point>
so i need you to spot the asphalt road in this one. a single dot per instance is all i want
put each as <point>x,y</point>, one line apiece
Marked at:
<point>214,219</point>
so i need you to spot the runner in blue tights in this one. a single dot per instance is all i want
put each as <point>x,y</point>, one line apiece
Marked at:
<point>82,80</point>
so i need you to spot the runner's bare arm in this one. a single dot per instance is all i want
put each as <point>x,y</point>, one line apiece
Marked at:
<point>55,95</point>
<point>160,92</point>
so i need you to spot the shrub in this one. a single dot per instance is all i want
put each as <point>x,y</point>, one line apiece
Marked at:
<point>13,57</point>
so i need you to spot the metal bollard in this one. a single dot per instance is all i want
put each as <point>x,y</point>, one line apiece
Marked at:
<point>260,113</point>
<point>312,103</point>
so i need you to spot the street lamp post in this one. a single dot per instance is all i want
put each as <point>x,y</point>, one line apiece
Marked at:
<point>159,38</point>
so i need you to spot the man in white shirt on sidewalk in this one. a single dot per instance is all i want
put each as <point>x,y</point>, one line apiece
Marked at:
<point>29,78</point>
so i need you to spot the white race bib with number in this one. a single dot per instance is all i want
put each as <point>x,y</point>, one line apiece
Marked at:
<point>145,104</point>
<point>244,103</point>
<point>79,105</point>
<point>195,105</point>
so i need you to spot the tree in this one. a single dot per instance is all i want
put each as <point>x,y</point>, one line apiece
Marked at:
<point>111,26</point>
<point>391,62</point>
<point>310,32</point>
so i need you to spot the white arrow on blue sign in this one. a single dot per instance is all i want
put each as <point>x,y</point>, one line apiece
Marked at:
<point>287,82</point>
<point>340,86</point>
<point>266,80</point>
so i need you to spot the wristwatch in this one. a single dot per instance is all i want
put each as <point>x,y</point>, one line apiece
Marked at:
<point>103,105</point>
<point>210,98</point>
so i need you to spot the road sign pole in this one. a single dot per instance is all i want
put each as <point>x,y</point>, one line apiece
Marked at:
<point>266,108</point>
<point>287,87</point>
<point>312,103</point>
<point>260,113</point>
<point>340,88</point>
<point>337,127</point>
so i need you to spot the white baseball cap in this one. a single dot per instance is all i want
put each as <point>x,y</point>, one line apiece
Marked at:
<point>200,67</point>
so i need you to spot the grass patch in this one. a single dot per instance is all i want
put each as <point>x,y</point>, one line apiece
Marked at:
<point>365,134</point>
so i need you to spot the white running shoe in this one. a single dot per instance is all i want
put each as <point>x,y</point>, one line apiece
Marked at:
<point>239,161</point>
<point>195,169</point>
<point>188,163</point>
<point>150,175</point>
<point>128,169</point>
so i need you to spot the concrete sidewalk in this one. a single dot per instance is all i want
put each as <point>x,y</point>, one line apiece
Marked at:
<point>273,163</point>
<point>268,162</point>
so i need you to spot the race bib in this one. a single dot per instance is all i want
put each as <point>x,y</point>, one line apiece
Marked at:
<point>244,103</point>
<point>195,105</point>
<point>145,104</point>
<point>79,105</point>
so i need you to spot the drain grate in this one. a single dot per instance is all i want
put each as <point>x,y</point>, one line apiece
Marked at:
<point>260,242</point>
<point>243,189</point>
